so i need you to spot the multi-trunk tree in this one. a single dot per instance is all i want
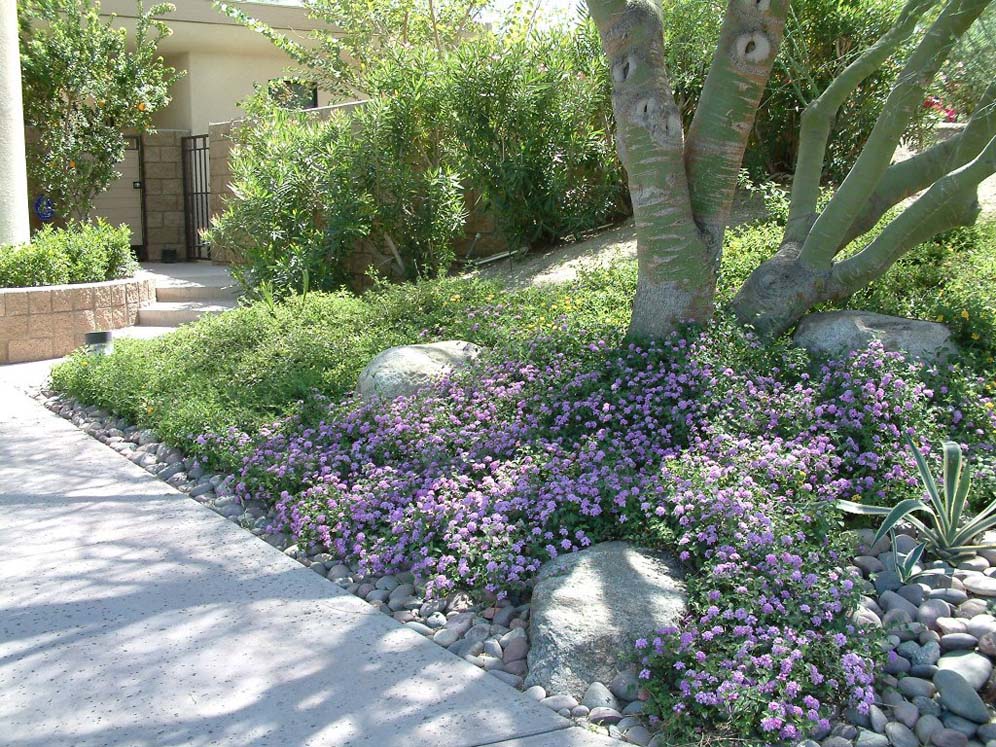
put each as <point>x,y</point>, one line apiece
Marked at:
<point>682,183</point>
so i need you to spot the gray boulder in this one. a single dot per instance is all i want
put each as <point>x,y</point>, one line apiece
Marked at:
<point>589,607</point>
<point>959,696</point>
<point>837,333</point>
<point>401,370</point>
<point>975,668</point>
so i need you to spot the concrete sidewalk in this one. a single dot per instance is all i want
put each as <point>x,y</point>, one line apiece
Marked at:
<point>131,616</point>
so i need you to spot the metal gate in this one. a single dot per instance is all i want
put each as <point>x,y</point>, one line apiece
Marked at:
<point>196,195</point>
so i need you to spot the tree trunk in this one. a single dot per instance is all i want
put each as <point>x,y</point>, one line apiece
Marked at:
<point>805,271</point>
<point>779,292</point>
<point>682,191</point>
<point>677,272</point>
<point>785,287</point>
<point>680,219</point>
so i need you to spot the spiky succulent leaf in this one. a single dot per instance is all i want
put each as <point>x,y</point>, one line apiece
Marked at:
<point>952,477</point>
<point>899,512</point>
<point>862,509</point>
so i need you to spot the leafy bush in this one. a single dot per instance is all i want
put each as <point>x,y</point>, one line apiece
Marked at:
<point>80,253</point>
<point>948,279</point>
<point>33,264</point>
<point>533,129</point>
<point>312,196</point>
<point>969,70</point>
<point>512,130</point>
<point>86,81</point>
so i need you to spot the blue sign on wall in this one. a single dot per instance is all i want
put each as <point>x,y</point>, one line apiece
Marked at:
<point>44,208</point>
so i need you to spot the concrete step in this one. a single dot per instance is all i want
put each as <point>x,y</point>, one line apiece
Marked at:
<point>175,313</point>
<point>209,293</point>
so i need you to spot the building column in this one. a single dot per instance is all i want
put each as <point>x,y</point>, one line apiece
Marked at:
<point>13,169</point>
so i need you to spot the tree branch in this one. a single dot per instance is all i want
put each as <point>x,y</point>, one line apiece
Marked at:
<point>748,43</point>
<point>952,201</point>
<point>906,178</point>
<point>819,115</point>
<point>907,94</point>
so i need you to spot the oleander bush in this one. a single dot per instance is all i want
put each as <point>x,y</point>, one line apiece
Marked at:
<point>969,69</point>
<point>514,131</point>
<point>79,253</point>
<point>311,195</point>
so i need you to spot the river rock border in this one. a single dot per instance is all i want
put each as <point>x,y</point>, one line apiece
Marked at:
<point>939,630</point>
<point>51,321</point>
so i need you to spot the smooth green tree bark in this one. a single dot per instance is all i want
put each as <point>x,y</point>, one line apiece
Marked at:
<point>683,186</point>
<point>677,276</point>
<point>679,226</point>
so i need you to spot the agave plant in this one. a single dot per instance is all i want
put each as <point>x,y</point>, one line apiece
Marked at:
<point>944,528</point>
<point>906,566</point>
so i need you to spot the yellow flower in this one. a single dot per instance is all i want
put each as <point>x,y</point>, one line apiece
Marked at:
<point>141,106</point>
<point>940,317</point>
<point>964,314</point>
<point>975,335</point>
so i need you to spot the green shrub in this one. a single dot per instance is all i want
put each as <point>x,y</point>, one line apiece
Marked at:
<point>514,130</point>
<point>33,264</point>
<point>312,197</point>
<point>80,253</point>
<point>969,69</point>
<point>533,133</point>
<point>257,362</point>
<point>949,279</point>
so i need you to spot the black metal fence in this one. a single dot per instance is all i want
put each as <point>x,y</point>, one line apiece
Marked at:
<point>196,195</point>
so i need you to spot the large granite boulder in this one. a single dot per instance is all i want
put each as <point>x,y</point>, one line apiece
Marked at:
<point>837,333</point>
<point>401,370</point>
<point>589,607</point>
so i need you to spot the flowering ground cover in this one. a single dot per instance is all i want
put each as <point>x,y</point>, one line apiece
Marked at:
<point>725,451</point>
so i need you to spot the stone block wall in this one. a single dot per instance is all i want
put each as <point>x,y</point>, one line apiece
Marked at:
<point>164,218</point>
<point>49,322</point>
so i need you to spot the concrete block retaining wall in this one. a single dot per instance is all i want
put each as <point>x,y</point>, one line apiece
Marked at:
<point>51,321</point>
